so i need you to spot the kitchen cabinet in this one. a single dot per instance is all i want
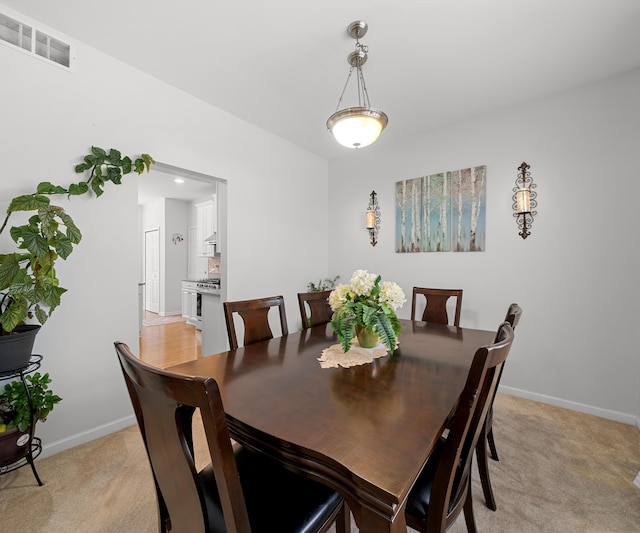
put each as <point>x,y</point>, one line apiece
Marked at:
<point>190,304</point>
<point>206,225</point>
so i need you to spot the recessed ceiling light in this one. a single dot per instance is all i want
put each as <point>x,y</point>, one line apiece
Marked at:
<point>179,180</point>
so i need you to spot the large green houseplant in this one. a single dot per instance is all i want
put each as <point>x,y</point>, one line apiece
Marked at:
<point>29,286</point>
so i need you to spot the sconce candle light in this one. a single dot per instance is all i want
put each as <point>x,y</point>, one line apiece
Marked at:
<point>373,218</point>
<point>524,200</point>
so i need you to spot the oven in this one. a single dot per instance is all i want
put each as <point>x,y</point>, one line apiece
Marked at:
<point>199,306</point>
<point>204,286</point>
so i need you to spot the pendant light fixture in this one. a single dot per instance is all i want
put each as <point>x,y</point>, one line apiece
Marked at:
<point>361,125</point>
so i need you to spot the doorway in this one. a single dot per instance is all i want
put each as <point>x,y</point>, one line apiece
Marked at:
<point>152,270</point>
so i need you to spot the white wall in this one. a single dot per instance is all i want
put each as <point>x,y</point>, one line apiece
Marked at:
<point>176,216</point>
<point>576,276</point>
<point>277,213</point>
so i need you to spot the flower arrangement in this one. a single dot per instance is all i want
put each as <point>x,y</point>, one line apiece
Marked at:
<point>367,306</point>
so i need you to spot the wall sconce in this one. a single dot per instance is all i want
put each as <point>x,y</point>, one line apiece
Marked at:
<point>177,237</point>
<point>373,218</point>
<point>524,200</point>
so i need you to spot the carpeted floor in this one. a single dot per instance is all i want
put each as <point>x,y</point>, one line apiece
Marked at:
<point>559,471</point>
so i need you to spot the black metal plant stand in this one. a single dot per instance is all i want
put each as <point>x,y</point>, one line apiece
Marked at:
<point>34,445</point>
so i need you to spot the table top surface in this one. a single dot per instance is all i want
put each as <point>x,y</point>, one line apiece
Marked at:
<point>366,430</point>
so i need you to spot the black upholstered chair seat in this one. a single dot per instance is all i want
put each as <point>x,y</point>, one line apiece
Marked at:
<point>420,495</point>
<point>287,503</point>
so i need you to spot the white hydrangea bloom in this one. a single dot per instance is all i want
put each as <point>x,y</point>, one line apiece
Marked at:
<point>362,282</point>
<point>392,294</point>
<point>338,296</point>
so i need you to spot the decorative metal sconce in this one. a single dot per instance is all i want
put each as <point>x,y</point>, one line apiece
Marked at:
<point>524,200</point>
<point>373,218</point>
<point>177,237</point>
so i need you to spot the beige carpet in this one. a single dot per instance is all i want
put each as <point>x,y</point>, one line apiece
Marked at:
<point>559,471</point>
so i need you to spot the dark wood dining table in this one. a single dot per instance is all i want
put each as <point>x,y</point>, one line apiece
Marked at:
<point>366,430</point>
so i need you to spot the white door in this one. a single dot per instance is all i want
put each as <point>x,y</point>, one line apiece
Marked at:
<point>152,270</point>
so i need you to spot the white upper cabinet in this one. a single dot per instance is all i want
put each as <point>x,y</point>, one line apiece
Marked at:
<point>207,225</point>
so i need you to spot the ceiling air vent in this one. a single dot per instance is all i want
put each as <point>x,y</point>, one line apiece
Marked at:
<point>21,35</point>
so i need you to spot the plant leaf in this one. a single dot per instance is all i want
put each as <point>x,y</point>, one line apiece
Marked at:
<point>97,183</point>
<point>114,174</point>
<point>73,233</point>
<point>77,189</point>
<point>41,314</point>
<point>14,313</point>
<point>114,157</point>
<point>28,202</point>
<point>32,240</point>
<point>126,165</point>
<point>99,153</point>
<point>45,187</point>
<point>9,267</point>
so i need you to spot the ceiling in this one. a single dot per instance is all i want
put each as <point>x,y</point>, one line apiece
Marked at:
<point>154,185</point>
<point>282,65</point>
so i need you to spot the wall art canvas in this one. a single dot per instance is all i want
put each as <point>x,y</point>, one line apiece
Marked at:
<point>442,212</point>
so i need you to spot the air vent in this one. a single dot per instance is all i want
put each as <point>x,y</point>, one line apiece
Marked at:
<point>19,34</point>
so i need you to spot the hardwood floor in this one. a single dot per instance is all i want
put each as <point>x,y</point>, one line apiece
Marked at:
<point>169,344</point>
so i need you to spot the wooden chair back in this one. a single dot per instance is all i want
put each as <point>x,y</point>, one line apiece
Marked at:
<point>435,309</point>
<point>255,316</point>
<point>450,491</point>
<point>164,404</point>
<point>317,303</point>
<point>513,318</point>
<point>513,315</point>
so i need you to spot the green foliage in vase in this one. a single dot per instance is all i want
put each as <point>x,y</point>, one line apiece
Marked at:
<point>29,286</point>
<point>366,302</point>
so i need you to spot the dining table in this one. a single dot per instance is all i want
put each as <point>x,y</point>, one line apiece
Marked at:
<point>366,430</point>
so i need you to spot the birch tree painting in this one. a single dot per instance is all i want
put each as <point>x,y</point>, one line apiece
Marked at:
<point>442,212</point>
<point>409,215</point>
<point>469,209</point>
<point>423,214</point>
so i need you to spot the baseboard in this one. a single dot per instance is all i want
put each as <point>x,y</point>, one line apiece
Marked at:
<point>86,436</point>
<point>625,418</point>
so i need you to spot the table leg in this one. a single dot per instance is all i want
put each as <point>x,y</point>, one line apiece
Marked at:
<point>372,522</point>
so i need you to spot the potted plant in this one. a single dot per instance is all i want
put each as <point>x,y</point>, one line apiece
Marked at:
<point>366,308</point>
<point>325,284</point>
<point>19,414</point>
<point>29,286</point>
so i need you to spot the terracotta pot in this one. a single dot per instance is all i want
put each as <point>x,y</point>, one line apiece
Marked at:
<point>14,445</point>
<point>16,348</point>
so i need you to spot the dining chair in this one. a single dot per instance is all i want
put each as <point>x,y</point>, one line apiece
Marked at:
<point>513,317</point>
<point>239,490</point>
<point>435,309</point>
<point>255,317</point>
<point>443,488</point>
<point>317,304</point>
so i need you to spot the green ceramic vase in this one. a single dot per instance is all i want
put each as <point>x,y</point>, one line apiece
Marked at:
<point>367,337</point>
